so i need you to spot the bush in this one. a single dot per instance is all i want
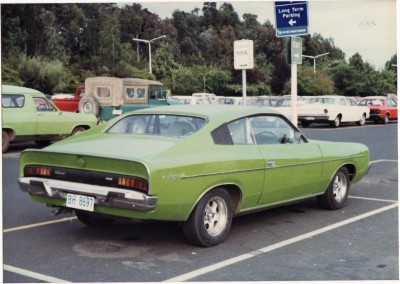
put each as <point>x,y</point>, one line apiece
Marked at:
<point>45,76</point>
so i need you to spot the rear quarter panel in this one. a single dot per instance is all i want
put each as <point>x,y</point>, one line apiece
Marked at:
<point>337,154</point>
<point>183,175</point>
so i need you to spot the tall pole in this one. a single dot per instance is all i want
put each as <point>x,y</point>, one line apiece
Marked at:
<point>293,87</point>
<point>244,80</point>
<point>150,57</point>
<point>149,43</point>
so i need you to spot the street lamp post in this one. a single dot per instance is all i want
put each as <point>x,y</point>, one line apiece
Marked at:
<point>149,42</point>
<point>315,57</point>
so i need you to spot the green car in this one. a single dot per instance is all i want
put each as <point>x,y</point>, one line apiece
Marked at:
<point>199,165</point>
<point>27,115</point>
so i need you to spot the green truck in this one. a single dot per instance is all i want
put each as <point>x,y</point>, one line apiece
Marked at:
<point>27,115</point>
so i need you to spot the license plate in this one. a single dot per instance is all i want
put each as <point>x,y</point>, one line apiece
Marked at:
<point>80,202</point>
<point>310,118</point>
<point>117,112</point>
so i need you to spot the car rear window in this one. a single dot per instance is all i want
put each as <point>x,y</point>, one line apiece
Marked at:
<point>12,101</point>
<point>158,124</point>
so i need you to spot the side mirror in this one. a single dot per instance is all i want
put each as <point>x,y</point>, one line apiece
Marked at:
<point>297,136</point>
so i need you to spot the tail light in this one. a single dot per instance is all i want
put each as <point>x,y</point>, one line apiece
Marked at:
<point>133,183</point>
<point>37,171</point>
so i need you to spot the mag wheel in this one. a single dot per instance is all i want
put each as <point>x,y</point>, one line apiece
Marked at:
<point>336,122</point>
<point>385,120</point>
<point>211,219</point>
<point>336,194</point>
<point>362,120</point>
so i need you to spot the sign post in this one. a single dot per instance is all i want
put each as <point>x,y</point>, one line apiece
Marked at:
<point>295,58</point>
<point>243,51</point>
<point>292,19</point>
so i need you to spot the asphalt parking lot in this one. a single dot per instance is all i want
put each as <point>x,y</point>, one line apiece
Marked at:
<point>297,242</point>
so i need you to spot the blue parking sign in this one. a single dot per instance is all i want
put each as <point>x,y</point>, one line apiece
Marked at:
<point>291,18</point>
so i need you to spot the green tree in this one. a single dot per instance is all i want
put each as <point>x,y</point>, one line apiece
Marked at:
<point>316,44</point>
<point>313,84</point>
<point>164,63</point>
<point>216,81</point>
<point>43,75</point>
<point>109,39</point>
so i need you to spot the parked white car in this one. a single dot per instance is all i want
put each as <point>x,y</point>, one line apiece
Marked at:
<point>189,100</point>
<point>332,110</point>
<point>237,101</point>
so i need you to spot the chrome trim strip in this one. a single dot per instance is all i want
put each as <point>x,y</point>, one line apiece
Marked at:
<point>183,176</point>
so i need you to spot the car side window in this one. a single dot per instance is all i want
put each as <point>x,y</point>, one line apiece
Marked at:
<point>260,130</point>
<point>391,103</point>
<point>342,102</point>
<point>141,93</point>
<point>272,130</point>
<point>103,92</point>
<point>8,101</point>
<point>130,93</point>
<point>350,102</point>
<point>43,105</point>
<point>241,132</point>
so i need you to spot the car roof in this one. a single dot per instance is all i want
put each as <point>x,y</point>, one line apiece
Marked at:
<point>217,111</point>
<point>374,98</point>
<point>16,90</point>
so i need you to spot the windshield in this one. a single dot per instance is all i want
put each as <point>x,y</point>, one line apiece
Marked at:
<point>158,124</point>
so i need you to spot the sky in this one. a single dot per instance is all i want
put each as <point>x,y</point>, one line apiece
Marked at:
<point>364,26</point>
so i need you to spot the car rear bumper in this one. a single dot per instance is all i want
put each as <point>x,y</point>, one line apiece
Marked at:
<point>104,196</point>
<point>375,116</point>
<point>314,118</point>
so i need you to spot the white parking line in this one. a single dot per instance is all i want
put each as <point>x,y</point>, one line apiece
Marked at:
<point>33,275</point>
<point>234,260</point>
<point>12,155</point>
<point>383,160</point>
<point>372,199</point>
<point>38,224</point>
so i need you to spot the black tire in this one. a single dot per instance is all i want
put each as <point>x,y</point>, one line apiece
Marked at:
<point>5,141</point>
<point>336,194</point>
<point>304,124</point>
<point>78,130</point>
<point>362,120</point>
<point>43,143</point>
<point>211,219</point>
<point>89,105</point>
<point>336,122</point>
<point>93,219</point>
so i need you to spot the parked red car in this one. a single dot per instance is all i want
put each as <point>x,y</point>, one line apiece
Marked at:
<point>381,108</point>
